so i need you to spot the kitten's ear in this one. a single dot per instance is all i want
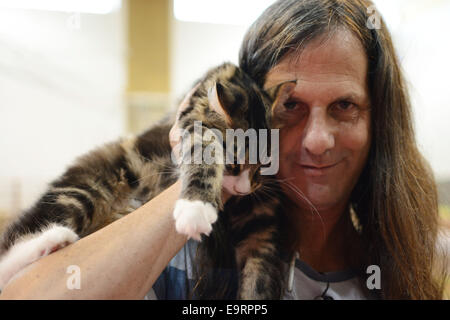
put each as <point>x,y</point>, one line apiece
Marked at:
<point>217,101</point>
<point>280,94</point>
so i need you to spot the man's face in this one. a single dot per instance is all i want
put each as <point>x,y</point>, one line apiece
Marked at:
<point>325,138</point>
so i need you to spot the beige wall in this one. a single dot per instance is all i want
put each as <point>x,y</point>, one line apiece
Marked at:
<point>61,94</point>
<point>148,40</point>
<point>148,89</point>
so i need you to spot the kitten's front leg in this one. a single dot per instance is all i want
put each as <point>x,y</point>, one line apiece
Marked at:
<point>194,218</point>
<point>200,199</point>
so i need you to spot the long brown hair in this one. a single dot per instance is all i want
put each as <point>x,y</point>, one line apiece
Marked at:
<point>395,198</point>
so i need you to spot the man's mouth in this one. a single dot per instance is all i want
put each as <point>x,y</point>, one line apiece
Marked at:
<point>318,167</point>
<point>317,170</point>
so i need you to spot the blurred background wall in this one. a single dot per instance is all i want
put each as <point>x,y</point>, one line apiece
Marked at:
<point>76,73</point>
<point>62,82</point>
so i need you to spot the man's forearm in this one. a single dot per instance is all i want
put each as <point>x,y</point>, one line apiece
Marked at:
<point>120,261</point>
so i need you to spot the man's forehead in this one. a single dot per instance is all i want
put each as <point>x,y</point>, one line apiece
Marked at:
<point>337,58</point>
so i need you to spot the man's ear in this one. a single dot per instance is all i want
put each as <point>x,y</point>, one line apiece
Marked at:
<point>280,94</point>
<point>217,101</point>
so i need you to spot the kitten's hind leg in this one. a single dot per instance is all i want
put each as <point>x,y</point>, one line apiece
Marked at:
<point>30,249</point>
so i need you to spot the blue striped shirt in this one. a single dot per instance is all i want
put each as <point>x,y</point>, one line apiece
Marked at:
<point>177,279</point>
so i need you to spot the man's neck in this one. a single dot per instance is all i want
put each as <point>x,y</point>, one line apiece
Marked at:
<point>328,240</point>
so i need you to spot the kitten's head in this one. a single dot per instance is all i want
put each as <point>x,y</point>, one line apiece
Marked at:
<point>247,109</point>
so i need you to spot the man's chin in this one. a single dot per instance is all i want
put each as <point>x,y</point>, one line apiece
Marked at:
<point>316,201</point>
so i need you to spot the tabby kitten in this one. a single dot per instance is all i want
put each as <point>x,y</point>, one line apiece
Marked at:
<point>114,180</point>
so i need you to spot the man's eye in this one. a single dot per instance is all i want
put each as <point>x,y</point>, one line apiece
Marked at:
<point>344,105</point>
<point>345,111</point>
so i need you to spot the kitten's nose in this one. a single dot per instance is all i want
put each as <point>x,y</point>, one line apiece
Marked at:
<point>243,182</point>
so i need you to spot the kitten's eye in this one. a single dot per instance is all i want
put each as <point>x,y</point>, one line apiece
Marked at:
<point>232,169</point>
<point>236,170</point>
<point>290,105</point>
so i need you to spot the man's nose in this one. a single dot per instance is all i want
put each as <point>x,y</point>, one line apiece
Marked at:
<point>318,135</point>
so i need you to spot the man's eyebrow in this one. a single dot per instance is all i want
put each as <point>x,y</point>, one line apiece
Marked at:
<point>350,96</point>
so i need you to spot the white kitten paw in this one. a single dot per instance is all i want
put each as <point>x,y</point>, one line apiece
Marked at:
<point>30,249</point>
<point>194,218</point>
<point>54,238</point>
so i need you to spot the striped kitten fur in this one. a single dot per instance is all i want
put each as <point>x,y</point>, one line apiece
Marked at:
<point>114,180</point>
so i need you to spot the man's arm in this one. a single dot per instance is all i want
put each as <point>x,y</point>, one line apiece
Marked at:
<point>120,261</point>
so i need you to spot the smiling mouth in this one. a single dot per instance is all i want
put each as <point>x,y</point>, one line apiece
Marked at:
<point>318,168</point>
<point>317,171</point>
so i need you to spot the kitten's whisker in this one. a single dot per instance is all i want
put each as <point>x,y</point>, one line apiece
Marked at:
<point>285,179</point>
<point>302,196</point>
<point>258,198</point>
<point>269,187</point>
<point>164,164</point>
<point>154,174</point>
<point>267,194</point>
